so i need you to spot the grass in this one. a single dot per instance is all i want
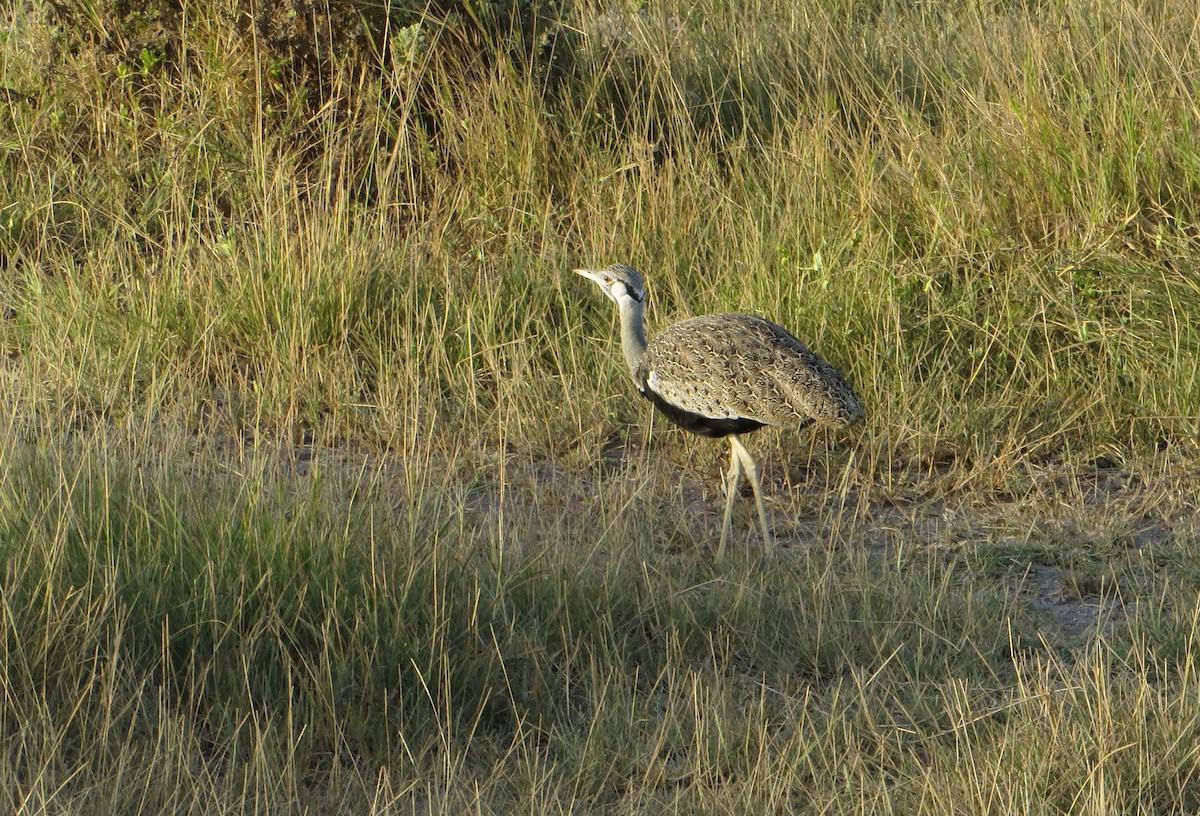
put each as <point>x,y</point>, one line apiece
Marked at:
<point>324,490</point>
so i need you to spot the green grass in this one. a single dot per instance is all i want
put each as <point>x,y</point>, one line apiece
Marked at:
<point>324,489</point>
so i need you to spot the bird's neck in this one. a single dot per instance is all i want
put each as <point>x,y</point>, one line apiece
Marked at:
<point>633,334</point>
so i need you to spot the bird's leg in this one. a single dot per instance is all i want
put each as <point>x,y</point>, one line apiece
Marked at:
<point>731,483</point>
<point>751,468</point>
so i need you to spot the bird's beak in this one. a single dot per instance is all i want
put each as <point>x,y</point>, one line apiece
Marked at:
<point>596,278</point>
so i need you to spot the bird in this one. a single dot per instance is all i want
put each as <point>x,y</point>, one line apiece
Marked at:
<point>725,375</point>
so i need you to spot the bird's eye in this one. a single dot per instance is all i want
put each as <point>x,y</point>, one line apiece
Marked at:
<point>608,279</point>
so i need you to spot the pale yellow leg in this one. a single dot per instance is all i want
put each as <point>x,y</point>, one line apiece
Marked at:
<point>751,468</point>
<point>731,483</point>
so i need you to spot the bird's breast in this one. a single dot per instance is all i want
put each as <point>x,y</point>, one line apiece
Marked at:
<point>694,397</point>
<point>692,411</point>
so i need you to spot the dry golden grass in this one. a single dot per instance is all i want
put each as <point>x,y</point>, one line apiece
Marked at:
<point>323,490</point>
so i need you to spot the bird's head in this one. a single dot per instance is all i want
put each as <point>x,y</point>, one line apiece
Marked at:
<point>619,282</point>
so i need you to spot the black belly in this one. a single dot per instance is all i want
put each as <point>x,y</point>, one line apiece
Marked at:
<point>700,424</point>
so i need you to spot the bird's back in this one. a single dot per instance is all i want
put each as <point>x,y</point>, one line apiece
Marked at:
<point>740,372</point>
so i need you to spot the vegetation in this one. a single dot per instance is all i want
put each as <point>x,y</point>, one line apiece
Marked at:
<point>324,491</point>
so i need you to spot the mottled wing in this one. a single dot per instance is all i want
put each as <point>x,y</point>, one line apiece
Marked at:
<point>741,367</point>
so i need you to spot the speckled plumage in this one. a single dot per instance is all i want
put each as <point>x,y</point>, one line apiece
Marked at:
<point>742,369</point>
<point>726,375</point>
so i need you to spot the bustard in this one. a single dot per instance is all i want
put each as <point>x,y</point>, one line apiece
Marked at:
<point>726,375</point>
